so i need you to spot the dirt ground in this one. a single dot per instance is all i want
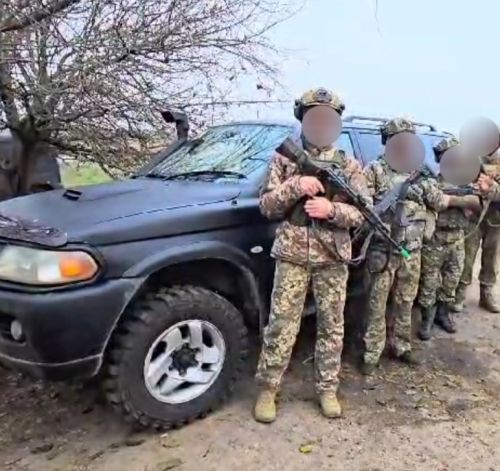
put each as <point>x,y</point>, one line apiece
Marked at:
<point>444,415</point>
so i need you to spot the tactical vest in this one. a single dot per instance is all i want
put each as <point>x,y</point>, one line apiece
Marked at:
<point>410,229</point>
<point>297,215</point>
<point>451,218</point>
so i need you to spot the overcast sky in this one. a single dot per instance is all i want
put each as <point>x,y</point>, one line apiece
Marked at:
<point>436,61</point>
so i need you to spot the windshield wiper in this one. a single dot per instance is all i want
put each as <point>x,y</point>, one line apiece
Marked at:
<point>151,175</point>
<point>209,173</point>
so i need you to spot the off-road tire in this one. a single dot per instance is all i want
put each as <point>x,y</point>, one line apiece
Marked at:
<point>124,383</point>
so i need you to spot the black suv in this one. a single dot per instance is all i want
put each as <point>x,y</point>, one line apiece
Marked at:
<point>152,282</point>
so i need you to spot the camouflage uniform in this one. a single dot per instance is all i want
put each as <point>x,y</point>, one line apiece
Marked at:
<point>443,255</point>
<point>389,272</point>
<point>316,254</point>
<point>486,235</point>
<point>442,261</point>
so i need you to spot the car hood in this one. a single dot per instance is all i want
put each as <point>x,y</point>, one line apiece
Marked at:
<point>110,212</point>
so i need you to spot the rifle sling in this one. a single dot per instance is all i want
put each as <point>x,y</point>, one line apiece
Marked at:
<point>398,214</point>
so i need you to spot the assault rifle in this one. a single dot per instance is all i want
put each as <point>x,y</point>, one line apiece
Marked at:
<point>335,181</point>
<point>469,190</point>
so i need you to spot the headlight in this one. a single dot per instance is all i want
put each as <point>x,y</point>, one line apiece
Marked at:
<point>45,267</point>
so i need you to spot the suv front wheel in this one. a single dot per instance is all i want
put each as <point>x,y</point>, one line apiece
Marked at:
<point>176,357</point>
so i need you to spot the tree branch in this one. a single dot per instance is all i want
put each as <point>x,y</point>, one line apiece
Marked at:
<point>13,24</point>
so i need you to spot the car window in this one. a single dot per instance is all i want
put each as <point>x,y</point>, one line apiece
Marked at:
<point>371,145</point>
<point>344,142</point>
<point>237,148</point>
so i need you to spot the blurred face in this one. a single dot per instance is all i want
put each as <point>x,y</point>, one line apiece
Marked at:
<point>480,137</point>
<point>405,152</point>
<point>321,126</point>
<point>459,167</point>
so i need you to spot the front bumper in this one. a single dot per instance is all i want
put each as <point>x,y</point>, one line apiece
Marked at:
<point>65,332</point>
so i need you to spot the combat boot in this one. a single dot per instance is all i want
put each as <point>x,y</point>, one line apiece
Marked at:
<point>330,406</point>
<point>428,315</point>
<point>265,407</point>
<point>459,303</point>
<point>487,299</point>
<point>444,319</point>
<point>410,358</point>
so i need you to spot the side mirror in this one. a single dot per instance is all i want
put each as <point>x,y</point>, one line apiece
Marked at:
<point>181,122</point>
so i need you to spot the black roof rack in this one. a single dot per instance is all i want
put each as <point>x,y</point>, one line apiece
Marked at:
<point>380,121</point>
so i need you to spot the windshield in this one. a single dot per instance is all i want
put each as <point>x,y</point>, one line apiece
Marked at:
<point>224,152</point>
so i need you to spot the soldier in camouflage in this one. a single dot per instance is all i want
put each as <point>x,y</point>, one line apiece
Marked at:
<point>442,260</point>
<point>487,235</point>
<point>389,272</point>
<point>313,254</point>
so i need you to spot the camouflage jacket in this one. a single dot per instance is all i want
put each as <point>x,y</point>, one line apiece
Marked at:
<point>316,245</point>
<point>450,223</point>
<point>422,196</point>
<point>491,166</point>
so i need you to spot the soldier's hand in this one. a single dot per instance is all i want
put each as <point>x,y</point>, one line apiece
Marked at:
<point>310,186</point>
<point>415,193</point>
<point>485,185</point>
<point>319,208</point>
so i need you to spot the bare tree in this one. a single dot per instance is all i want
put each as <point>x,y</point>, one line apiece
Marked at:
<point>89,77</point>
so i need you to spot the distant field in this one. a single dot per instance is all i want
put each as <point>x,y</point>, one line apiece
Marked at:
<point>83,174</point>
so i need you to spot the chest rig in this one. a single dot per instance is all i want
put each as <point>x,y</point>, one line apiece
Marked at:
<point>297,216</point>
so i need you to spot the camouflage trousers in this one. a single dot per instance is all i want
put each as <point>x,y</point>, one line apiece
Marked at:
<point>442,267</point>
<point>393,280</point>
<point>489,238</point>
<point>291,284</point>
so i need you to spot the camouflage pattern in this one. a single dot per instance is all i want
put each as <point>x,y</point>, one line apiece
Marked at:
<point>491,166</point>
<point>442,267</point>
<point>318,97</point>
<point>443,256</point>
<point>422,195</point>
<point>306,245</point>
<point>291,283</point>
<point>487,235</point>
<point>305,254</point>
<point>445,144</point>
<point>489,238</point>
<point>395,126</point>
<point>390,274</point>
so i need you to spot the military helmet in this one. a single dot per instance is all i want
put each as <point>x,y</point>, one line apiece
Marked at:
<point>395,126</point>
<point>443,145</point>
<point>317,97</point>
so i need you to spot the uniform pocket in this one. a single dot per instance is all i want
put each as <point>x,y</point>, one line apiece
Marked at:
<point>414,233</point>
<point>342,241</point>
<point>376,261</point>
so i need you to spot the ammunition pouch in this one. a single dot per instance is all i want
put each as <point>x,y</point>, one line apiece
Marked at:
<point>414,234</point>
<point>377,261</point>
<point>297,216</point>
